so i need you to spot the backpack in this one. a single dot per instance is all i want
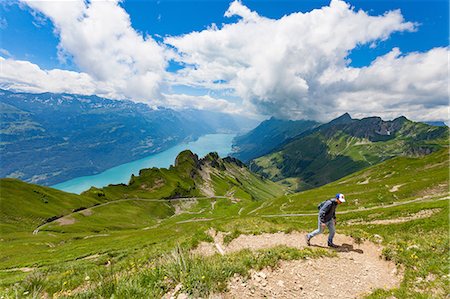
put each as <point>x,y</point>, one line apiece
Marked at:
<point>320,205</point>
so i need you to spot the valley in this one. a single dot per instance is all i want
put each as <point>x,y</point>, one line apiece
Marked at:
<point>343,146</point>
<point>69,135</point>
<point>225,149</point>
<point>220,143</point>
<point>146,239</point>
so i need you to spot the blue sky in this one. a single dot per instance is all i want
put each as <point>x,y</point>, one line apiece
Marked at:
<point>28,39</point>
<point>29,34</point>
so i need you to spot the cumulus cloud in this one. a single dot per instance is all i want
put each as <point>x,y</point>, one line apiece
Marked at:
<point>99,37</point>
<point>414,85</point>
<point>298,67</point>
<point>202,102</point>
<point>237,9</point>
<point>294,67</point>
<point>29,77</point>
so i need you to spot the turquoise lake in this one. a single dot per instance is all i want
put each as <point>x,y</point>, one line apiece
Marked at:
<point>220,143</point>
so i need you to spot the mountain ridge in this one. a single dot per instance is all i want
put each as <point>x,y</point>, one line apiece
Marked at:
<point>268,135</point>
<point>191,176</point>
<point>68,136</point>
<point>344,145</point>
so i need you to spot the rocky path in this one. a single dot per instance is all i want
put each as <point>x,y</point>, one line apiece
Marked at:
<point>357,270</point>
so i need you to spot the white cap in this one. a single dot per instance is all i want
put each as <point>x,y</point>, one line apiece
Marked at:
<point>340,197</point>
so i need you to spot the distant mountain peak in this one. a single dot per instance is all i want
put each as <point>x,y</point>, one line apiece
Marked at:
<point>401,119</point>
<point>343,119</point>
<point>346,145</point>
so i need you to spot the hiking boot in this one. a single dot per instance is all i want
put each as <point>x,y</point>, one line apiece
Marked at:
<point>332,245</point>
<point>307,240</point>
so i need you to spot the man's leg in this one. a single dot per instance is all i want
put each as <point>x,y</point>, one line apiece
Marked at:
<point>332,230</point>
<point>316,232</point>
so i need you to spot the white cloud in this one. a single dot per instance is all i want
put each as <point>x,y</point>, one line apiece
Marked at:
<point>413,77</point>
<point>414,85</point>
<point>202,102</point>
<point>28,77</point>
<point>297,66</point>
<point>34,79</point>
<point>237,9</point>
<point>99,37</point>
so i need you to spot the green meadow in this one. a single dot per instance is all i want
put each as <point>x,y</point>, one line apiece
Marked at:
<point>134,241</point>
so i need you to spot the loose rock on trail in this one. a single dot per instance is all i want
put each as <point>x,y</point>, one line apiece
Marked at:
<point>357,270</point>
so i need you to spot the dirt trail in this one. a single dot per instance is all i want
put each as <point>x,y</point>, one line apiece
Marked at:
<point>364,182</point>
<point>67,220</point>
<point>350,276</point>
<point>419,215</point>
<point>396,187</point>
<point>358,267</point>
<point>23,269</point>
<point>395,204</point>
<point>96,236</point>
<point>194,220</point>
<point>88,211</point>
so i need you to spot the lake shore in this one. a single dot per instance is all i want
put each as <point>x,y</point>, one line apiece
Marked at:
<point>220,143</point>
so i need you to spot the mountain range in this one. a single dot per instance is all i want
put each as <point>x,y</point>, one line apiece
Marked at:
<point>333,150</point>
<point>197,226</point>
<point>267,136</point>
<point>48,138</point>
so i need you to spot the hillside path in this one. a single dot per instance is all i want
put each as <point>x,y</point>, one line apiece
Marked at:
<point>36,231</point>
<point>59,219</point>
<point>362,209</point>
<point>356,270</point>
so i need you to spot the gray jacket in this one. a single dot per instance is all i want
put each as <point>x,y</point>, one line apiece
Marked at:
<point>328,210</point>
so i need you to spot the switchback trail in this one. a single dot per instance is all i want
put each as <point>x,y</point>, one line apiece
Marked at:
<point>361,209</point>
<point>36,231</point>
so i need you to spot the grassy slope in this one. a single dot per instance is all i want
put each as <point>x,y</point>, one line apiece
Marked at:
<point>412,177</point>
<point>176,181</point>
<point>243,184</point>
<point>184,180</point>
<point>267,136</point>
<point>133,215</point>
<point>25,206</point>
<point>22,216</point>
<point>142,259</point>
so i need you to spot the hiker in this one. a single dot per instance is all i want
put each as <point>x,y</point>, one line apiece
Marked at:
<point>327,217</point>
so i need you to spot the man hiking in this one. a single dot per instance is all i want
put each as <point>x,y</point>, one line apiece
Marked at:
<point>327,217</point>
